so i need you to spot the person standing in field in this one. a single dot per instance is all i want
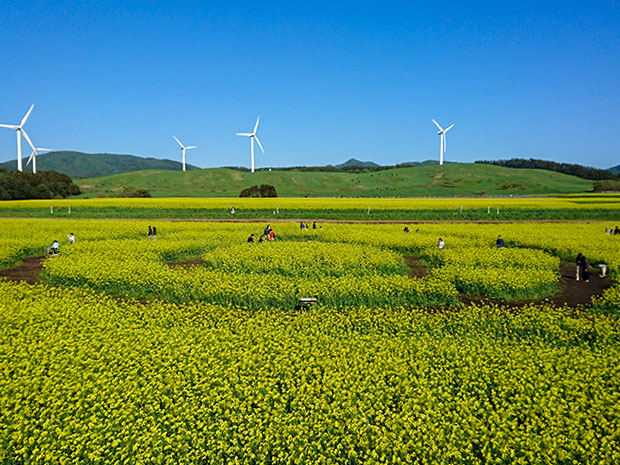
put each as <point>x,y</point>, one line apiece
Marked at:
<point>71,238</point>
<point>272,235</point>
<point>441,244</point>
<point>585,269</point>
<point>499,242</point>
<point>154,232</point>
<point>578,265</point>
<point>53,249</point>
<point>150,232</point>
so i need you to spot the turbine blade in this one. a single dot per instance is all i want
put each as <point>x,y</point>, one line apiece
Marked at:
<point>437,124</point>
<point>446,130</point>
<point>27,115</point>
<point>10,126</point>
<point>25,134</point>
<point>178,141</point>
<point>256,125</point>
<point>260,145</point>
<point>191,147</point>
<point>41,149</point>
<point>244,134</point>
<point>31,157</point>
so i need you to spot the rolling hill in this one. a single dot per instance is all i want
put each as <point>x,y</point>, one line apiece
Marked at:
<point>88,165</point>
<point>615,169</point>
<point>430,180</point>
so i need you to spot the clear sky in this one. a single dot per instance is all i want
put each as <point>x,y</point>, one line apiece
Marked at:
<point>330,80</point>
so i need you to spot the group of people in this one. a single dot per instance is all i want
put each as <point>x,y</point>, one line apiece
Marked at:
<point>610,231</point>
<point>54,249</point>
<point>152,232</point>
<point>303,225</point>
<point>268,234</point>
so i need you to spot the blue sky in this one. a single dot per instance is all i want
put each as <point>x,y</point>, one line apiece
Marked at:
<point>330,80</point>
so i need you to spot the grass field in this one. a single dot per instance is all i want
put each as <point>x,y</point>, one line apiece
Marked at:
<point>432,180</point>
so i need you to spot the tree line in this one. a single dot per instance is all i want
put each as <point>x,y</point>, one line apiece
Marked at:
<point>17,185</point>
<point>585,172</point>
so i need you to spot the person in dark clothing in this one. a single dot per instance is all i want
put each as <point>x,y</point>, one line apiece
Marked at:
<point>302,225</point>
<point>585,273</point>
<point>578,269</point>
<point>150,233</point>
<point>406,229</point>
<point>314,225</point>
<point>499,242</point>
<point>154,232</point>
<point>617,230</point>
<point>267,230</point>
<point>251,238</point>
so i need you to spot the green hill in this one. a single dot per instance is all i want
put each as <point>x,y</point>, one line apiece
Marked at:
<point>354,162</point>
<point>615,169</point>
<point>88,165</point>
<point>420,181</point>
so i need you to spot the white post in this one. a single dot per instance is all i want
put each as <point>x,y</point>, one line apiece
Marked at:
<point>69,210</point>
<point>488,210</point>
<point>51,209</point>
<point>368,211</point>
<point>498,210</point>
<point>19,150</point>
<point>252,152</point>
<point>460,209</point>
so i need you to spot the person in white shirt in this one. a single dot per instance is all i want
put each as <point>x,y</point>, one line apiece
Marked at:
<point>71,238</point>
<point>441,244</point>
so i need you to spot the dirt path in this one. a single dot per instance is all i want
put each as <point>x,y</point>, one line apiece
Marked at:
<point>186,263</point>
<point>296,220</point>
<point>29,270</point>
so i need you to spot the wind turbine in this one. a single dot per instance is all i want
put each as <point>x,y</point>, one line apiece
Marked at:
<point>18,131</point>
<point>442,140</point>
<point>35,152</point>
<point>183,149</point>
<point>253,136</point>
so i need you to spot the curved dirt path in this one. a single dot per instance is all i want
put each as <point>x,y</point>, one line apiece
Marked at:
<point>29,270</point>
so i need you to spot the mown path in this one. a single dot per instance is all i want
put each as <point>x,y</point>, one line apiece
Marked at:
<point>573,294</point>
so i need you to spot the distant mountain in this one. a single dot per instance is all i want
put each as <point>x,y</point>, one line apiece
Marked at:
<point>615,169</point>
<point>355,163</point>
<point>90,165</point>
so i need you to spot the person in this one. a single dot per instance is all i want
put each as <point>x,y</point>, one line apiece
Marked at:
<point>54,248</point>
<point>262,238</point>
<point>267,230</point>
<point>71,238</point>
<point>441,244</point>
<point>578,269</point>
<point>150,233</point>
<point>417,230</point>
<point>251,238</point>
<point>301,225</point>
<point>617,230</point>
<point>585,269</point>
<point>406,229</point>
<point>314,225</point>
<point>272,235</point>
<point>154,232</point>
<point>607,230</point>
<point>499,242</point>
<point>232,210</point>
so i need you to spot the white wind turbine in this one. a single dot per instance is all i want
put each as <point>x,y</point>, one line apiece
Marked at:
<point>34,153</point>
<point>252,136</point>
<point>18,130</point>
<point>442,140</point>
<point>183,149</point>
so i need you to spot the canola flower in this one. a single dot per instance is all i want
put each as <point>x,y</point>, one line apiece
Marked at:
<point>89,379</point>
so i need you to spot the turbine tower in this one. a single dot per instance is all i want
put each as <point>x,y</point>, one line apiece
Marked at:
<point>34,153</point>
<point>442,140</point>
<point>252,135</point>
<point>183,149</point>
<point>18,130</point>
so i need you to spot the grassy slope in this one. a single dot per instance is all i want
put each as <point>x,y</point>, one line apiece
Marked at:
<point>435,180</point>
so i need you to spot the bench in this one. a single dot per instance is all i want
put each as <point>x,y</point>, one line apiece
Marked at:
<point>305,302</point>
